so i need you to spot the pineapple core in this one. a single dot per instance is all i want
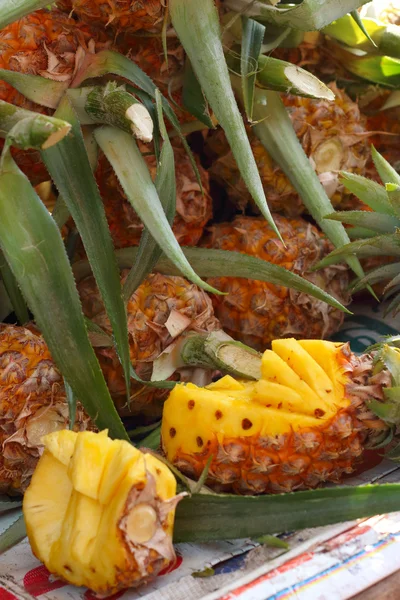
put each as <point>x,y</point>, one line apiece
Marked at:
<point>289,430</point>
<point>99,513</point>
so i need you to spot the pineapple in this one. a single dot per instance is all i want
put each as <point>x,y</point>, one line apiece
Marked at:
<point>304,421</point>
<point>99,513</point>
<point>257,312</point>
<point>33,403</point>
<point>128,16</point>
<point>44,43</point>
<point>333,135</point>
<point>193,208</point>
<point>158,312</point>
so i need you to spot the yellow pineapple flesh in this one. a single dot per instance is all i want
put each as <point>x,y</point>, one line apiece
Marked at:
<point>32,403</point>
<point>99,513</point>
<point>256,312</point>
<point>304,422</point>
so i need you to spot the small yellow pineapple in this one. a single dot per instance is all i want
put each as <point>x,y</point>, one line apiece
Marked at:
<point>99,512</point>
<point>305,420</point>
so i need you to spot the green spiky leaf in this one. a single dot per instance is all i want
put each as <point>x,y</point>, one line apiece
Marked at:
<point>380,223</point>
<point>383,245</point>
<point>13,291</point>
<point>197,26</point>
<point>14,533</point>
<point>82,197</point>
<point>33,247</point>
<point>193,97</point>
<point>368,191</point>
<point>206,517</point>
<point>40,90</point>
<point>252,39</point>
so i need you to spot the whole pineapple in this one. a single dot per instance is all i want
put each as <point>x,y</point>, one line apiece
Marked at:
<point>193,207</point>
<point>99,513</point>
<point>333,135</point>
<point>32,404</point>
<point>256,312</point>
<point>304,421</point>
<point>44,43</point>
<point>160,310</point>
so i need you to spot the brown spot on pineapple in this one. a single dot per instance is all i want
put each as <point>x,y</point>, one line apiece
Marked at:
<point>218,415</point>
<point>172,432</point>
<point>247,424</point>
<point>319,413</point>
<point>191,404</point>
<point>199,441</point>
<point>67,568</point>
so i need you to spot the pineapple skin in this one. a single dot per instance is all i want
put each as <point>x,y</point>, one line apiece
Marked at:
<point>256,312</point>
<point>100,513</point>
<point>331,134</point>
<point>303,423</point>
<point>26,47</point>
<point>32,403</point>
<point>148,310</point>
<point>123,15</point>
<point>193,208</point>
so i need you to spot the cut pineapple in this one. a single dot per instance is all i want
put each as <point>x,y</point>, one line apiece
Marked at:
<point>99,513</point>
<point>305,421</point>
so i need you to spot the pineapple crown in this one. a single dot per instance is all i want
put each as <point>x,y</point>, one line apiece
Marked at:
<point>377,229</point>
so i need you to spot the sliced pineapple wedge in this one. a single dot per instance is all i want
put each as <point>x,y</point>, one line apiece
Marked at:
<point>99,512</point>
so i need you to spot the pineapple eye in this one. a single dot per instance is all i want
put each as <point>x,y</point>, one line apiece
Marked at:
<point>319,413</point>
<point>191,404</point>
<point>218,415</point>
<point>172,432</point>
<point>247,424</point>
<point>199,441</point>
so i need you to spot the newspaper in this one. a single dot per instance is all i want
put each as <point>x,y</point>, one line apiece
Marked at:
<point>326,563</point>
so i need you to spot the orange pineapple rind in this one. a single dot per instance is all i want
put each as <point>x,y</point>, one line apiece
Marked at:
<point>32,403</point>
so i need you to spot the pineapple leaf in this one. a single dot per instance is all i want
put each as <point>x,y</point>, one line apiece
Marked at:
<point>82,197</point>
<point>223,263</point>
<point>193,97</point>
<point>149,250</point>
<point>34,249</point>
<point>390,357</point>
<point>11,11</point>
<point>360,233</point>
<point>393,190</point>
<point>376,275</point>
<point>386,172</point>
<point>197,26</point>
<point>252,39</point>
<point>381,223</point>
<point>71,400</point>
<point>201,517</point>
<point>355,15</point>
<point>6,503</point>
<point>306,15</point>
<point>275,132</point>
<point>14,533</point>
<point>368,191</point>
<point>13,291</point>
<point>40,90</point>
<point>382,245</point>
<point>108,62</point>
<point>383,70</point>
<point>394,305</point>
<point>131,169</point>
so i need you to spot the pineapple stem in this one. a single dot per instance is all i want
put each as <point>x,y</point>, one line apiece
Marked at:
<point>115,106</point>
<point>26,129</point>
<point>11,11</point>
<point>229,356</point>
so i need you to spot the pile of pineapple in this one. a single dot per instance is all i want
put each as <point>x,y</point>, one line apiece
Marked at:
<point>168,178</point>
